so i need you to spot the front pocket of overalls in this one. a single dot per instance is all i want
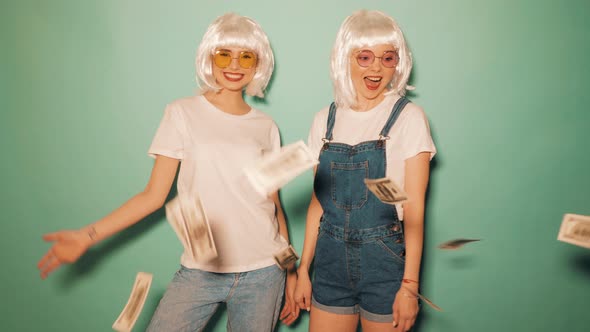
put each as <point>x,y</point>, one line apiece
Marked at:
<point>348,187</point>
<point>330,261</point>
<point>394,247</point>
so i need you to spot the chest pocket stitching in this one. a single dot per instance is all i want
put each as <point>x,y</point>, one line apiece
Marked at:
<point>357,202</point>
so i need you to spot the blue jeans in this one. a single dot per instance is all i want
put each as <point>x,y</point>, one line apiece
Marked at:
<point>253,300</point>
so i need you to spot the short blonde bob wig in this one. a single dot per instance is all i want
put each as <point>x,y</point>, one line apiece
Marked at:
<point>365,29</point>
<point>232,30</point>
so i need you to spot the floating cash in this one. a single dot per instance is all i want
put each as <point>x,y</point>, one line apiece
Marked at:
<point>575,229</point>
<point>175,219</point>
<point>425,299</point>
<point>286,257</point>
<point>386,190</point>
<point>275,170</point>
<point>188,219</point>
<point>456,244</point>
<point>130,313</point>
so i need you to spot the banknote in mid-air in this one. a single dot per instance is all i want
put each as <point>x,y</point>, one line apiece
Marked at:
<point>130,313</point>
<point>575,229</point>
<point>286,257</point>
<point>273,171</point>
<point>386,190</point>
<point>456,243</point>
<point>188,219</point>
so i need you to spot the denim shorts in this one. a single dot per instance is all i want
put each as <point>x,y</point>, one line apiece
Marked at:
<point>358,271</point>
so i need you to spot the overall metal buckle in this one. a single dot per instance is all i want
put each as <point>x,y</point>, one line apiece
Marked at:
<point>326,142</point>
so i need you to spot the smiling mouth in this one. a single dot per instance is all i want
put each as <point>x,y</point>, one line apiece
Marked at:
<point>373,82</point>
<point>233,77</point>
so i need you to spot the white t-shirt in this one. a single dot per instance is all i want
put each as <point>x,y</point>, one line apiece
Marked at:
<point>213,147</point>
<point>409,135</point>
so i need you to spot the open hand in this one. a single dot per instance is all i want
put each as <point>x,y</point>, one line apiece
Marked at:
<point>68,246</point>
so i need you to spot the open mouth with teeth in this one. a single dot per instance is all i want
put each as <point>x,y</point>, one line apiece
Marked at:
<point>373,82</point>
<point>233,77</point>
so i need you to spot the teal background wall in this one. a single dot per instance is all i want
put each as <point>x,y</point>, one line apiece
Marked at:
<point>83,85</point>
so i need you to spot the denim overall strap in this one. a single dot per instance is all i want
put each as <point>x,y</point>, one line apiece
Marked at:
<point>331,121</point>
<point>397,109</point>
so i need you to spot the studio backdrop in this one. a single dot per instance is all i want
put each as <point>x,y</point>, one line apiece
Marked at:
<point>83,86</point>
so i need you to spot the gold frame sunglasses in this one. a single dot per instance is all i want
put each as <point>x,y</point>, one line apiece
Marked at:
<point>223,59</point>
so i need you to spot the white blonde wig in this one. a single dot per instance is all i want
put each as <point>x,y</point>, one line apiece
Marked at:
<point>232,30</point>
<point>366,29</point>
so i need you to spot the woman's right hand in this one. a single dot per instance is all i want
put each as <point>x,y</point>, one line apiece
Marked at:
<point>68,246</point>
<point>302,293</point>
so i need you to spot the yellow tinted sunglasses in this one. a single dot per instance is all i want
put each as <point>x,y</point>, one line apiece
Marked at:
<point>223,59</point>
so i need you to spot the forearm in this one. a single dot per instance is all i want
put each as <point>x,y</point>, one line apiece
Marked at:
<point>282,221</point>
<point>314,213</point>
<point>414,240</point>
<point>416,182</point>
<point>140,205</point>
<point>131,212</point>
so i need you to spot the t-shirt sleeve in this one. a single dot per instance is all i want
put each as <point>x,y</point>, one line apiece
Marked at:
<point>417,130</point>
<point>316,133</point>
<point>168,139</point>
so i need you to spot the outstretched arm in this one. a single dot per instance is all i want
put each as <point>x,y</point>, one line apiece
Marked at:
<point>69,245</point>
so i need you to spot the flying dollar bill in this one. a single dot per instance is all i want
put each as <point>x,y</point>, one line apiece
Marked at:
<point>130,313</point>
<point>456,244</point>
<point>273,171</point>
<point>188,219</point>
<point>386,190</point>
<point>286,257</point>
<point>575,229</point>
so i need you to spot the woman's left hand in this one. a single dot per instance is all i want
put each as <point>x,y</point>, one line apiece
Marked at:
<point>405,309</point>
<point>290,311</point>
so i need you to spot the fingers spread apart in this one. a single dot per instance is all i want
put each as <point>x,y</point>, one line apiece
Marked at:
<point>48,263</point>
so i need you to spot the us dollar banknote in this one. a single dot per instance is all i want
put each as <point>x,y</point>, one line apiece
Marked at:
<point>130,313</point>
<point>286,257</point>
<point>456,243</point>
<point>273,171</point>
<point>575,229</point>
<point>386,190</point>
<point>188,218</point>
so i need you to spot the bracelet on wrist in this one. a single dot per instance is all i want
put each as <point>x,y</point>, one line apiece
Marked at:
<point>409,281</point>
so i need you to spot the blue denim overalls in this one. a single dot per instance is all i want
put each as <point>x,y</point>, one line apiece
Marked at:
<point>358,259</point>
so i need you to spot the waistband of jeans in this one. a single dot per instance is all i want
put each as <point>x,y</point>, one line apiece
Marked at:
<point>360,234</point>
